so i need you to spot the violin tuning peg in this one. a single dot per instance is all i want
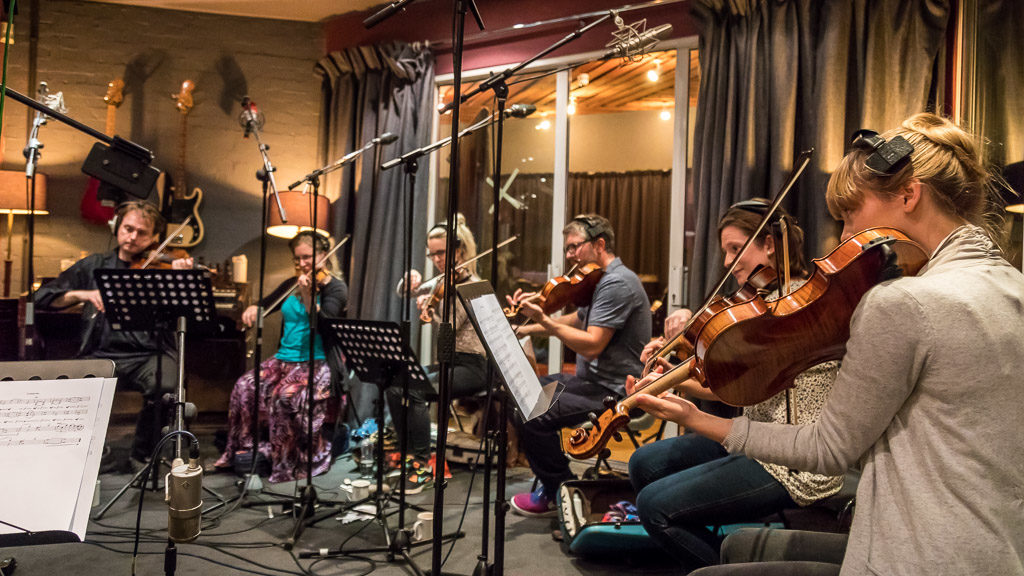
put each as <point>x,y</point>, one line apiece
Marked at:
<point>605,454</point>
<point>609,402</point>
<point>593,419</point>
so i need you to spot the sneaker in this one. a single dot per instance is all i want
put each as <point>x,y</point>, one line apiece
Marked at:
<point>432,463</point>
<point>417,477</point>
<point>535,504</point>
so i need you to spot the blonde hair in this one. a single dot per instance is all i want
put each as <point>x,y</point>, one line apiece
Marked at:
<point>323,246</point>
<point>945,158</point>
<point>464,238</point>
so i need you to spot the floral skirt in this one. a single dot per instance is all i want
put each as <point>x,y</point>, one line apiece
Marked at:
<point>283,410</point>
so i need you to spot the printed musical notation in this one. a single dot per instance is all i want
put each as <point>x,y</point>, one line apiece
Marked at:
<point>48,421</point>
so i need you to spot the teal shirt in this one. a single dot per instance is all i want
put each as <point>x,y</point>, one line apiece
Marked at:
<point>295,333</point>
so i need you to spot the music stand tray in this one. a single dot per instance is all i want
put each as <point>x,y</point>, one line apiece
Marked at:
<point>376,352</point>
<point>144,300</point>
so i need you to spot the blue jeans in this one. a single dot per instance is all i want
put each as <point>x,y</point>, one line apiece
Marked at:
<point>688,483</point>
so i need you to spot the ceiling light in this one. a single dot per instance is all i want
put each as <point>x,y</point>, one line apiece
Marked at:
<point>665,115</point>
<point>543,125</point>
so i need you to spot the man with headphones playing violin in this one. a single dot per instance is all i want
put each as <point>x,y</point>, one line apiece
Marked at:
<point>137,226</point>
<point>607,336</point>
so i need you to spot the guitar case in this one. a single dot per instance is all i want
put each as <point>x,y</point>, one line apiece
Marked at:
<point>582,509</point>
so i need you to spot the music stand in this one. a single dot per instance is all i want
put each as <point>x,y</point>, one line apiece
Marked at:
<point>377,352</point>
<point>154,300</point>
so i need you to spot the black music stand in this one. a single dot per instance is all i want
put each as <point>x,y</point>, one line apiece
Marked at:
<point>378,353</point>
<point>154,300</point>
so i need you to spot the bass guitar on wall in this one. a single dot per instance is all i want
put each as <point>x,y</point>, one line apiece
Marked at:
<point>179,205</point>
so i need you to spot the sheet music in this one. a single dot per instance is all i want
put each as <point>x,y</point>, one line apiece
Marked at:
<point>51,440</point>
<point>519,376</point>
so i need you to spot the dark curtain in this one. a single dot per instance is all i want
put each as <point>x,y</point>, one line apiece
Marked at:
<point>367,91</point>
<point>638,206</point>
<point>636,203</point>
<point>782,76</point>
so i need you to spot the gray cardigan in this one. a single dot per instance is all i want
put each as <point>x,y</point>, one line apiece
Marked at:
<point>929,400</point>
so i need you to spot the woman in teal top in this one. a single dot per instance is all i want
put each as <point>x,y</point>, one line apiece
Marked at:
<point>283,377</point>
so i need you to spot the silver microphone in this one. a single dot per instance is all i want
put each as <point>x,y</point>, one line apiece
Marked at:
<point>184,497</point>
<point>520,110</point>
<point>385,138</point>
<point>630,44</point>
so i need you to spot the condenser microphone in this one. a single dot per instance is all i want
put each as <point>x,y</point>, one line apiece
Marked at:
<point>250,118</point>
<point>633,45</point>
<point>520,110</point>
<point>385,138</point>
<point>183,495</point>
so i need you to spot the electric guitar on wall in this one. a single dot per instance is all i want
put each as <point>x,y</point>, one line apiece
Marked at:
<point>91,207</point>
<point>179,205</point>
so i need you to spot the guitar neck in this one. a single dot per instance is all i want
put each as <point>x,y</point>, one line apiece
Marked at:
<point>180,187</point>
<point>668,381</point>
<point>111,124</point>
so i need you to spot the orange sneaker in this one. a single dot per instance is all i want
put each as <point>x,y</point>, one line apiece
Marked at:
<point>433,463</point>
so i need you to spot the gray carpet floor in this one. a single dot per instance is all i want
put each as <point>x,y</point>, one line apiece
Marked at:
<point>250,540</point>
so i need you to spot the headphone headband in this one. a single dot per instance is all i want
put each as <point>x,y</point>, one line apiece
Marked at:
<point>887,156</point>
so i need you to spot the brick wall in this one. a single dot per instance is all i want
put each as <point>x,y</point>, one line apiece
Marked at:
<point>84,45</point>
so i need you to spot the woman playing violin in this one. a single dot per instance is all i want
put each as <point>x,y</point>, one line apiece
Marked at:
<point>929,393</point>
<point>137,226</point>
<point>284,376</point>
<point>470,363</point>
<point>687,483</point>
<point>607,337</point>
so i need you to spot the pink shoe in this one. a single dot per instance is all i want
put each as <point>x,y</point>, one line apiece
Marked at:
<point>534,504</point>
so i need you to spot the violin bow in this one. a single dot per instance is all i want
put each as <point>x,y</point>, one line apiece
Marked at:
<point>288,293</point>
<point>154,254</point>
<point>503,243</point>
<point>801,164</point>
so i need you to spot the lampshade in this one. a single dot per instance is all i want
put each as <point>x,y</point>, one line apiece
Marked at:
<point>299,211</point>
<point>13,199</point>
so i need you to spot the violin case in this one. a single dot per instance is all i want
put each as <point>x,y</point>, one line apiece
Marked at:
<point>582,505</point>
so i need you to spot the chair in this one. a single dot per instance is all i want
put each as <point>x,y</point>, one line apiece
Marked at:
<point>833,513</point>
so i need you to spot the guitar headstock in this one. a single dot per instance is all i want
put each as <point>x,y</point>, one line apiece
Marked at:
<point>183,99</point>
<point>115,93</point>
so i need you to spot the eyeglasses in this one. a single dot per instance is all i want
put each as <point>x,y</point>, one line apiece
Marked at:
<point>438,254</point>
<point>303,258</point>
<point>572,248</point>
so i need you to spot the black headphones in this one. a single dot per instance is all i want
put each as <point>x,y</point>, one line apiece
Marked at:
<point>887,156</point>
<point>759,207</point>
<point>159,224</point>
<point>444,226</point>
<point>595,226</point>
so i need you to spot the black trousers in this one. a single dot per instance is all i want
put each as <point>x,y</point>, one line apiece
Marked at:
<point>139,373</point>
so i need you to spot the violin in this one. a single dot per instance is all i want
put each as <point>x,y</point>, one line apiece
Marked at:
<point>156,260</point>
<point>430,305</point>
<point>748,352</point>
<point>681,344</point>
<point>577,288</point>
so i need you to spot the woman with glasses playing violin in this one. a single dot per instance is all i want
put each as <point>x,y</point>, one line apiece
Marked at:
<point>283,377</point>
<point>687,483</point>
<point>470,363</point>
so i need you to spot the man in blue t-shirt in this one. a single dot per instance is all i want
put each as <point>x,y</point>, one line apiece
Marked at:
<point>607,336</point>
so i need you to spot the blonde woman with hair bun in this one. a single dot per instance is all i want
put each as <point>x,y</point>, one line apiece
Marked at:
<point>928,397</point>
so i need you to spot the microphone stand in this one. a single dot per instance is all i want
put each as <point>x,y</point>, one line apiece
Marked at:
<point>308,498</point>
<point>268,185</point>
<point>32,155</point>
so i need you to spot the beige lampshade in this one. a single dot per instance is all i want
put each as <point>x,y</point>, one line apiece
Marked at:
<point>298,208</point>
<point>13,199</point>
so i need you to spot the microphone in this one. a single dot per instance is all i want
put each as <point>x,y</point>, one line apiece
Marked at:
<point>519,110</point>
<point>183,495</point>
<point>630,44</point>
<point>250,117</point>
<point>385,138</point>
